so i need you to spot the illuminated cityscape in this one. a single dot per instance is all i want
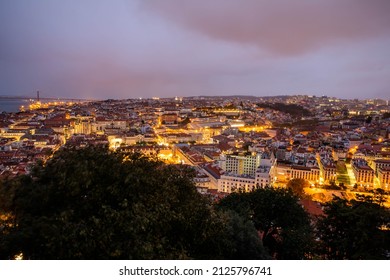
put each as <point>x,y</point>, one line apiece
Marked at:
<point>340,147</point>
<point>195,130</point>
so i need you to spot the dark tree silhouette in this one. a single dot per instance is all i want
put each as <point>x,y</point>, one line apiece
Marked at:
<point>96,204</point>
<point>279,218</point>
<point>354,230</point>
<point>297,186</point>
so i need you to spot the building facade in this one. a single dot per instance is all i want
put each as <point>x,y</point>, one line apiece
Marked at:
<point>242,164</point>
<point>364,174</point>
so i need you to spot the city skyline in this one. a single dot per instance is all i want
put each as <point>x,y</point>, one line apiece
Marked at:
<point>97,49</point>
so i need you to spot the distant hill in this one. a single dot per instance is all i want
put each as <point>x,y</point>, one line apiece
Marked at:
<point>292,109</point>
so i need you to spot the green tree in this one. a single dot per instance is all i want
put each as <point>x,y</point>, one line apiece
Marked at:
<point>297,186</point>
<point>379,196</point>
<point>93,203</point>
<point>235,238</point>
<point>278,217</point>
<point>184,122</point>
<point>386,115</point>
<point>354,230</point>
<point>292,109</point>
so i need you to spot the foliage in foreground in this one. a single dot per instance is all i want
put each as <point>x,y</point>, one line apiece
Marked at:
<point>95,204</point>
<point>283,223</point>
<point>354,230</point>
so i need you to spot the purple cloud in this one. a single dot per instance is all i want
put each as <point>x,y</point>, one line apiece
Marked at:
<point>281,26</point>
<point>124,49</point>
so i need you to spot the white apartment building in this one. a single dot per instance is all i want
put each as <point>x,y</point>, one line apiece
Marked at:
<point>256,175</point>
<point>264,176</point>
<point>233,183</point>
<point>242,164</point>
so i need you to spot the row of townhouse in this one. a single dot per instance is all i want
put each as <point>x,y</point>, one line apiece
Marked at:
<point>381,168</point>
<point>364,174</point>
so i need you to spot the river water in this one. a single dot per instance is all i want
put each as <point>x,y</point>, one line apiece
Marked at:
<point>12,105</point>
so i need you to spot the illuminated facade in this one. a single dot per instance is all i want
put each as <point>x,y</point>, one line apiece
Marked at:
<point>364,174</point>
<point>380,163</point>
<point>233,183</point>
<point>311,174</point>
<point>328,170</point>
<point>264,176</point>
<point>169,118</point>
<point>83,127</point>
<point>244,164</point>
<point>384,177</point>
<point>288,172</point>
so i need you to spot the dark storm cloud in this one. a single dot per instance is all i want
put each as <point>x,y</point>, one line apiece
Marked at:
<point>281,26</point>
<point>121,49</point>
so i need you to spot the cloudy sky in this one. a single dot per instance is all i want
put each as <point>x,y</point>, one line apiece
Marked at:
<point>145,48</point>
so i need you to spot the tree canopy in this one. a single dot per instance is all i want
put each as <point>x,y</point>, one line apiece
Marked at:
<point>354,230</point>
<point>282,222</point>
<point>297,186</point>
<point>93,203</point>
<point>292,109</point>
<point>386,115</point>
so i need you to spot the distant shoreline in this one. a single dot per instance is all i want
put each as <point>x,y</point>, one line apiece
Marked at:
<point>12,105</point>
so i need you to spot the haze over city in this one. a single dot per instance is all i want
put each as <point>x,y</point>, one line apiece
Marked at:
<point>236,131</point>
<point>130,49</point>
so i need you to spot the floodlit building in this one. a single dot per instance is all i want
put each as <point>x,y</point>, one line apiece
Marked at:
<point>83,127</point>
<point>232,183</point>
<point>169,118</point>
<point>364,174</point>
<point>241,164</point>
<point>384,177</point>
<point>327,169</point>
<point>380,163</point>
<point>311,174</point>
